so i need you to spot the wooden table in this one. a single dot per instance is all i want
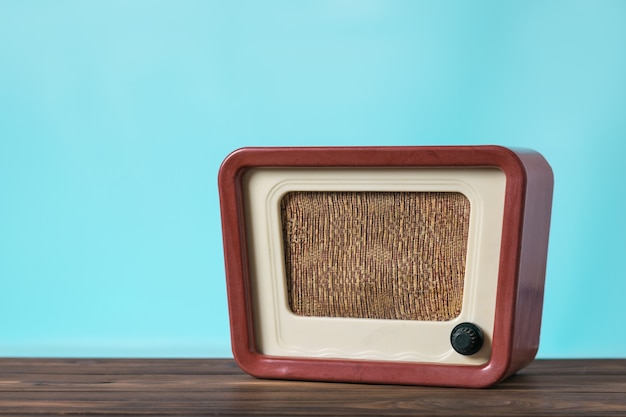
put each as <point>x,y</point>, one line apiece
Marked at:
<point>219,387</point>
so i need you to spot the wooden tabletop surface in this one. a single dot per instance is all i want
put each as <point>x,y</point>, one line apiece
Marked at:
<point>218,387</point>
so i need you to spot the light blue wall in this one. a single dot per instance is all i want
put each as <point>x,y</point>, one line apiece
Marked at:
<point>115,116</point>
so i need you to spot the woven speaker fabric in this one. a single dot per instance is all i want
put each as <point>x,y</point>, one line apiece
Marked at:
<point>377,255</point>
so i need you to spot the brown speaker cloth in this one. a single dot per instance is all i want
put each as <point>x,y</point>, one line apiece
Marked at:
<point>378,255</point>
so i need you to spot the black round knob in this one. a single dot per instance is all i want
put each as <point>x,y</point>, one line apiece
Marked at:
<point>466,338</point>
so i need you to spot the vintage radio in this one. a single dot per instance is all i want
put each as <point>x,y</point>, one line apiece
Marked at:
<point>396,265</point>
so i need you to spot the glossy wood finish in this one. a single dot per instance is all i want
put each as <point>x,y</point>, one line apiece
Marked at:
<point>162,387</point>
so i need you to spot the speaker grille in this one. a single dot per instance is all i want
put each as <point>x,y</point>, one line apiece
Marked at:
<point>376,255</point>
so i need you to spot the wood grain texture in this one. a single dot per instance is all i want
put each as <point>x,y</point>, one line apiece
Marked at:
<point>218,387</point>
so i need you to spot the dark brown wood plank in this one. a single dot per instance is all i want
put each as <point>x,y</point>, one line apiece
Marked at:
<point>219,387</point>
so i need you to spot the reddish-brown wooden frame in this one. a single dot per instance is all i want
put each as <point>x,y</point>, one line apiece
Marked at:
<point>519,299</point>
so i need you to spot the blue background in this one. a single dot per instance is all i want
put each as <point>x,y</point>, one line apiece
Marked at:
<point>115,116</point>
